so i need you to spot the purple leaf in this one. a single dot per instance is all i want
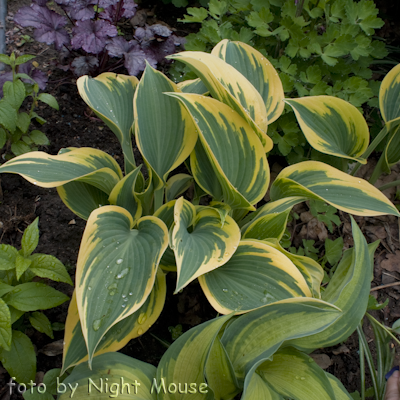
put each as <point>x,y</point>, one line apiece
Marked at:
<point>39,76</point>
<point>85,64</point>
<point>128,10</point>
<point>107,3</point>
<point>41,3</point>
<point>118,46</point>
<point>81,9</point>
<point>49,25</point>
<point>92,36</point>
<point>160,30</point>
<point>144,34</point>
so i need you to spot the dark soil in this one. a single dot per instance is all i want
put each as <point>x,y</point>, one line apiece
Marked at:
<point>61,230</point>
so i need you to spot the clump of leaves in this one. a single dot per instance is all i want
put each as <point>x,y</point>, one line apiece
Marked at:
<point>95,35</point>
<point>21,83</point>
<point>318,48</point>
<point>23,296</point>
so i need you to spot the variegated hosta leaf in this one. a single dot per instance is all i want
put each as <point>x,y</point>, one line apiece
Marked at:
<point>120,334</point>
<point>271,220</point>
<point>123,194</point>
<point>234,151</point>
<point>316,180</point>
<point>84,164</point>
<point>193,86</point>
<point>110,96</point>
<point>185,360</point>
<point>349,290</point>
<point>294,374</point>
<point>177,185</point>
<point>116,269</point>
<point>257,389</point>
<point>258,70</point>
<point>220,374</point>
<point>256,275</point>
<point>312,272</point>
<point>166,214</point>
<point>222,208</point>
<point>112,374</point>
<point>340,392</point>
<point>165,132</point>
<point>332,126</point>
<point>229,86</point>
<point>208,246</point>
<point>389,97</point>
<point>144,191</point>
<point>254,337</point>
<point>392,150</point>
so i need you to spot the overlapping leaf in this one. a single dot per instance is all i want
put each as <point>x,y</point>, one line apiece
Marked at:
<point>332,126</point>
<point>166,137</point>
<point>389,97</point>
<point>258,70</point>
<point>256,275</point>
<point>120,334</point>
<point>229,86</point>
<point>233,150</point>
<point>110,96</point>
<point>209,245</point>
<point>115,258</point>
<point>316,180</point>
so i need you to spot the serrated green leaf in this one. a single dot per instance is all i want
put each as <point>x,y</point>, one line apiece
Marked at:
<point>41,323</point>
<point>196,15</point>
<point>14,93</point>
<point>47,266</point>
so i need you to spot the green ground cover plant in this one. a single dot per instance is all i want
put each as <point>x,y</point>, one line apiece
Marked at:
<point>15,123</point>
<point>144,222</point>
<point>318,47</point>
<point>22,297</point>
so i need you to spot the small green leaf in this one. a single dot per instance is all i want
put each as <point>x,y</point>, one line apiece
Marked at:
<point>14,93</point>
<point>21,265</point>
<point>30,238</point>
<point>373,303</point>
<point>20,361</point>
<point>39,138</point>
<point>4,288</point>
<point>8,115</point>
<point>23,59</point>
<point>8,255</point>
<point>23,122</point>
<point>47,266</point>
<point>5,326</point>
<point>19,148</point>
<point>49,100</point>
<point>3,137</point>
<point>196,15</point>
<point>396,326</point>
<point>5,59</point>
<point>34,296</point>
<point>333,250</point>
<point>41,323</point>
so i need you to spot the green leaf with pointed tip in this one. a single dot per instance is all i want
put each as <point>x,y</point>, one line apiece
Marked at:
<point>166,137</point>
<point>47,266</point>
<point>41,323</point>
<point>8,115</point>
<point>23,59</point>
<point>110,96</point>
<point>23,122</point>
<point>256,275</point>
<point>193,86</point>
<point>5,326</point>
<point>30,238</point>
<point>4,288</point>
<point>316,180</point>
<point>340,392</point>
<point>34,296</point>
<point>49,100</point>
<point>258,70</point>
<point>20,361</point>
<point>233,149</point>
<point>332,126</point>
<point>208,246</point>
<point>21,265</point>
<point>185,359</point>
<point>389,97</point>
<point>124,195</point>
<point>177,185</point>
<point>114,257</point>
<point>122,373</point>
<point>257,389</point>
<point>254,337</point>
<point>121,333</point>
<point>8,255</point>
<point>14,93</point>
<point>229,86</point>
<point>349,290</point>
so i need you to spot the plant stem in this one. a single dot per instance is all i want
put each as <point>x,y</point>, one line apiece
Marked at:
<point>389,185</point>
<point>371,318</point>
<point>377,170</point>
<point>362,369</point>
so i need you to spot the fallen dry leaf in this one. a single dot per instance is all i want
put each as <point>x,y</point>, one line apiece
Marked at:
<point>392,262</point>
<point>53,349</point>
<point>322,360</point>
<point>343,349</point>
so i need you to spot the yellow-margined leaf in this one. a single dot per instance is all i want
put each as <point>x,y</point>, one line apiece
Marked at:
<point>110,96</point>
<point>185,360</point>
<point>177,185</point>
<point>120,334</point>
<point>193,86</point>
<point>165,132</point>
<point>254,337</point>
<point>229,86</point>
<point>233,149</point>
<point>115,258</point>
<point>112,375</point>
<point>316,180</point>
<point>392,150</point>
<point>340,392</point>
<point>294,374</point>
<point>332,126</point>
<point>208,246</point>
<point>256,275</point>
<point>258,70</point>
<point>389,97</point>
<point>257,389</point>
<point>349,290</point>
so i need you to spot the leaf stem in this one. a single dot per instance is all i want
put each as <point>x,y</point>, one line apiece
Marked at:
<point>389,185</point>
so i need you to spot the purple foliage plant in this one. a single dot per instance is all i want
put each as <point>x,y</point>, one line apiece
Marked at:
<point>95,35</point>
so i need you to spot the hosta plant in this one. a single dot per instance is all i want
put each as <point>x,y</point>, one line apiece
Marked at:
<point>139,225</point>
<point>22,296</point>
